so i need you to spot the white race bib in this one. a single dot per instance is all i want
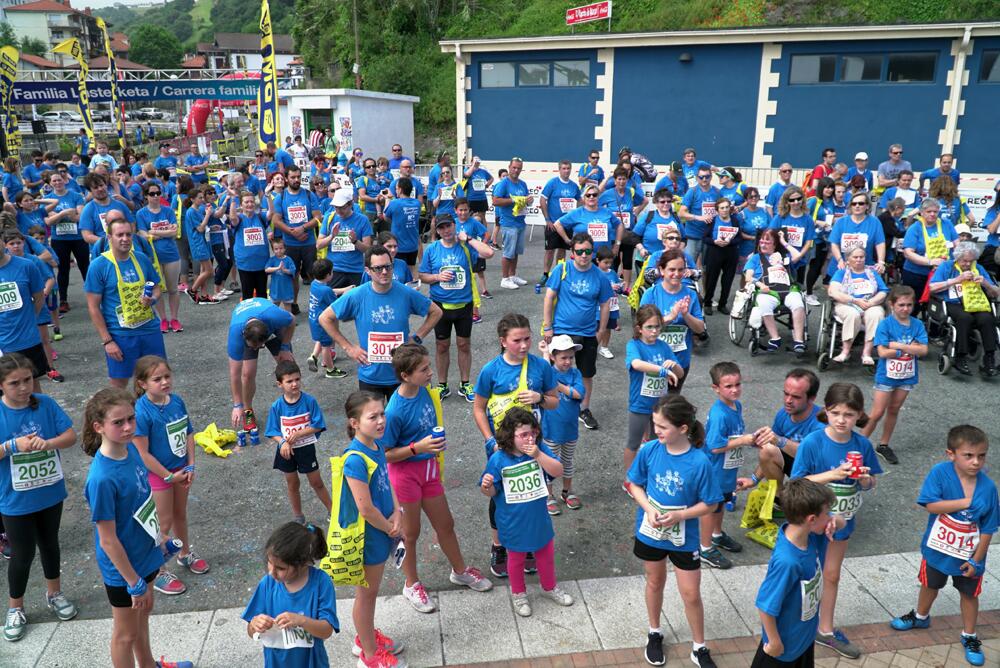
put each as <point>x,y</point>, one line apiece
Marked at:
<point>598,232</point>
<point>31,470</point>
<point>613,304</point>
<point>479,184</point>
<point>297,214</point>
<point>458,278</point>
<point>900,368</point>
<point>733,459</point>
<point>158,226</point>
<point>623,216</point>
<point>794,236</point>
<point>675,535</point>
<point>66,228</point>
<point>296,423</point>
<point>523,483</point>
<point>567,204</point>
<point>954,292</point>
<point>447,193</point>
<point>862,288</point>
<point>953,538</point>
<point>277,638</point>
<point>848,499</point>
<point>253,236</point>
<point>10,297</point>
<point>708,209</point>
<point>778,276</point>
<point>177,436</point>
<point>726,232</point>
<point>653,386</point>
<point>812,593</point>
<point>148,519</point>
<point>849,242</point>
<point>381,345</point>
<point>341,243</point>
<point>661,229</point>
<point>675,336</point>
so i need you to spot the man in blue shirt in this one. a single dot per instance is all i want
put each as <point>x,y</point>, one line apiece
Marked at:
<point>945,168</point>
<point>296,216</point>
<point>283,159</point>
<point>697,212</point>
<point>32,173</point>
<point>166,161</point>
<point>396,160</point>
<point>778,188</point>
<point>591,171</point>
<point>511,200</point>
<point>82,143</point>
<point>692,165</point>
<point>197,164</point>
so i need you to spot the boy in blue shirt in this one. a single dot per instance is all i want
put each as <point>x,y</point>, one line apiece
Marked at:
<point>322,295</point>
<point>294,422</point>
<point>963,512</point>
<point>788,598</point>
<point>561,425</point>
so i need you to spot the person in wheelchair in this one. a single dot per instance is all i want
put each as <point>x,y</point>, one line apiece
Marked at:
<point>648,273</point>
<point>768,273</point>
<point>857,293</point>
<point>967,290</point>
<point>927,244</point>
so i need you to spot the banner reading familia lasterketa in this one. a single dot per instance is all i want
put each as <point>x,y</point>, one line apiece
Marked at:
<point>9,58</point>
<point>267,98</point>
<point>71,47</point>
<point>116,109</point>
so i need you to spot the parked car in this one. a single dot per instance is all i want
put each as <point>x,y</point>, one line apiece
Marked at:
<point>150,114</point>
<point>62,117</point>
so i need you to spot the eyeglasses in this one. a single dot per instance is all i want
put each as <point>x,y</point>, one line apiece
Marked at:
<point>672,238</point>
<point>369,166</point>
<point>381,268</point>
<point>792,200</point>
<point>595,157</point>
<point>397,150</point>
<point>753,197</point>
<point>259,155</point>
<point>859,203</point>
<point>590,196</point>
<point>702,177</point>
<point>664,201</point>
<point>785,171</point>
<point>583,251</point>
<point>153,193</point>
<point>896,152</point>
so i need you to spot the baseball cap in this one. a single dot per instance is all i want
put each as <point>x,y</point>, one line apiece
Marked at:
<point>444,219</point>
<point>342,196</point>
<point>675,167</point>
<point>562,342</point>
<point>860,155</point>
<point>725,173</point>
<point>962,228</point>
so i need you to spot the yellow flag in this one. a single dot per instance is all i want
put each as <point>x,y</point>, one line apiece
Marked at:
<point>267,96</point>
<point>71,47</point>
<point>113,72</point>
<point>9,58</point>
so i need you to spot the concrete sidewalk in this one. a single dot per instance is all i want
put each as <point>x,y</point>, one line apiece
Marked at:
<point>606,626</point>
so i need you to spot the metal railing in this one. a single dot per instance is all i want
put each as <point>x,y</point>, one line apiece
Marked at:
<point>147,75</point>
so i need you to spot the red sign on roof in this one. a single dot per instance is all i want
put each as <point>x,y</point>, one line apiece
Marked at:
<point>595,12</point>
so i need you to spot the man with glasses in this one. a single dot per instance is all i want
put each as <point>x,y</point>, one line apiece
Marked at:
<point>511,201</point>
<point>692,165</point>
<point>296,215</point>
<point>888,171</point>
<point>381,311</point>
<point>258,169</point>
<point>560,196</point>
<point>369,192</point>
<point>572,297</point>
<point>396,160</point>
<point>778,188</point>
<point>697,212</point>
<point>196,164</point>
<point>590,172</point>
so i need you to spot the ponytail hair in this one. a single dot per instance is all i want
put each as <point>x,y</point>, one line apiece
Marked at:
<point>96,410</point>
<point>352,407</point>
<point>844,394</point>
<point>296,545</point>
<point>680,412</point>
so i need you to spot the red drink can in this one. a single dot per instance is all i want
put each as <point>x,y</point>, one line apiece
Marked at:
<point>857,461</point>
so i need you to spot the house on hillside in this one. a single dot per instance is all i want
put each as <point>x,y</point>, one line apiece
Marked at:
<point>53,21</point>
<point>239,51</point>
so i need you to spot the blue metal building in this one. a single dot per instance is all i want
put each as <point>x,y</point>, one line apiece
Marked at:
<point>750,97</point>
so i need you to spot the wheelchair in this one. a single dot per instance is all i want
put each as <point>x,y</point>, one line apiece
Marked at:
<point>739,323</point>
<point>828,338</point>
<point>937,313</point>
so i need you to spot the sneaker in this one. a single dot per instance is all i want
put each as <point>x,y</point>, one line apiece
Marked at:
<point>486,294</point>
<point>445,390</point>
<point>55,355</point>
<point>163,663</point>
<point>334,372</point>
<point>627,488</point>
<point>973,650</point>
<point>206,300</point>
<point>520,281</point>
<point>295,309</point>
<point>910,621</point>
<point>55,376</point>
<point>498,561</point>
<point>799,348</point>
<point>250,422</point>
<point>571,500</point>
<point>164,327</point>
<point>521,605</point>
<point>382,641</point>
<point>4,546</point>
<point>772,346</point>
<point>702,658</point>
<point>193,563</point>
<point>476,319</point>
<point>962,365</point>
<point>176,326</point>
<point>61,606</point>
<point>63,308</point>
<point>530,565</point>
<point>313,363</point>
<point>418,598</point>
<point>508,284</point>
<point>57,336</point>
<point>227,292</point>
<point>708,308</point>
<point>552,506</point>
<point>382,659</point>
<point>726,543</point>
<point>234,287</point>
<point>654,649</point>
<point>724,310</point>
<point>182,286</point>
<point>839,643</point>
<point>605,353</point>
<point>588,419</point>
<point>886,453</point>
<point>167,583</point>
<point>811,300</point>
<point>558,596</point>
<point>468,391</point>
<point>714,558</point>
<point>193,295</point>
<point>471,578</point>
<point>220,296</point>
<point>14,629</point>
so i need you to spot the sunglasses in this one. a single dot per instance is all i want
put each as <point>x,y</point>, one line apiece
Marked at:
<point>794,199</point>
<point>397,150</point>
<point>583,251</point>
<point>672,238</point>
<point>897,153</point>
<point>785,171</point>
<point>703,177</point>
<point>595,157</point>
<point>153,193</point>
<point>260,155</point>
<point>369,166</point>
<point>754,197</point>
<point>664,201</point>
<point>859,203</point>
<point>590,196</point>
<point>381,269</point>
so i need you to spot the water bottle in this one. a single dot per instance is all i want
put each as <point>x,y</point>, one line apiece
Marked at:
<point>731,503</point>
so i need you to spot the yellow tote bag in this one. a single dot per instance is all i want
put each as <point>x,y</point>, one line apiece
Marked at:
<point>345,545</point>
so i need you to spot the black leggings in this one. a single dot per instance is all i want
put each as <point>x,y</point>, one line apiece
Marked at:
<point>64,250</point>
<point>24,532</point>
<point>817,266</point>
<point>222,263</point>
<point>918,283</point>
<point>251,281</point>
<point>720,260</point>
<point>965,322</point>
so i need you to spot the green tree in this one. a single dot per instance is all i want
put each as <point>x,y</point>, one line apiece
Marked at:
<point>33,46</point>
<point>7,35</point>
<point>155,46</point>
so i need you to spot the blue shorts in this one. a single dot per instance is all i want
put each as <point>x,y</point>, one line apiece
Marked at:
<point>134,347</point>
<point>613,319</point>
<point>883,387</point>
<point>513,242</point>
<point>319,334</point>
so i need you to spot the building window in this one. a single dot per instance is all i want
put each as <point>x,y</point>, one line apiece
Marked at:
<point>861,68</point>
<point>571,72</point>
<point>990,70</point>
<point>533,74</point>
<point>911,67</point>
<point>496,75</point>
<point>241,62</point>
<point>812,69</point>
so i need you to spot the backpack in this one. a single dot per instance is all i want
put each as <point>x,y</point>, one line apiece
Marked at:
<point>645,168</point>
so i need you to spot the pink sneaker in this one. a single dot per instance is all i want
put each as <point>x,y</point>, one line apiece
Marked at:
<point>164,327</point>
<point>176,326</point>
<point>382,641</point>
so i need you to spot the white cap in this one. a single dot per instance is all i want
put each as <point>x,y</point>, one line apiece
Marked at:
<point>962,228</point>
<point>861,155</point>
<point>562,342</point>
<point>476,158</point>
<point>342,196</point>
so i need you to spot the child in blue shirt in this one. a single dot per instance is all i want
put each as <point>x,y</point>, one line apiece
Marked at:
<point>964,511</point>
<point>37,233</point>
<point>604,259</point>
<point>789,597</point>
<point>282,271</point>
<point>294,607</point>
<point>294,422</point>
<point>321,295</point>
<point>561,426</point>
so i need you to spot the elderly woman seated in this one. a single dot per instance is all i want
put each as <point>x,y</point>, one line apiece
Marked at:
<point>857,293</point>
<point>768,272</point>
<point>967,290</point>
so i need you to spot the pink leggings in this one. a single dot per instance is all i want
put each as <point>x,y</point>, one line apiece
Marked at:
<point>545,558</point>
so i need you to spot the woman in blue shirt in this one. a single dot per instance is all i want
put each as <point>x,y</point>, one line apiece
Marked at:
<point>858,293</point>
<point>823,212</point>
<point>654,224</point>
<point>624,199</point>
<point>446,191</point>
<point>250,248</point>
<point>12,181</point>
<point>752,220</point>
<point>158,225</point>
<point>954,210</point>
<point>681,308</point>
<point>197,218</point>
<point>926,245</point>
<point>796,228</point>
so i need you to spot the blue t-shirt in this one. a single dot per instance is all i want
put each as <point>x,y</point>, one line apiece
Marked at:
<point>699,202</point>
<point>192,160</point>
<point>341,252</point>
<point>818,453</point>
<point>408,420</point>
<point>286,418</point>
<point>867,174</point>
<point>593,174</point>
<point>404,214</point>
<point>103,280</point>
<point>644,390</point>
<point>791,590</point>
<point>620,206</point>
<point>784,425</point>
<point>910,196</point>
<point>321,295</point>
<point>562,425</point>
<point>28,219</point>
<point>32,481</point>
<point>651,228</point>
<point>378,544</point>
<point>734,194</point>
<point>751,222</point>
<point>43,317</point>
<point>296,210</point>
<point>863,285</point>
<point>284,158</point>
<point>579,293</point>
<point>167,428</point>
<point>991,215</point>
<point>601,225</point>
<point>561,197</point>
<point>94,213</point>
<point>166,247</point>
<point>280,288</point>
<point>774,194</point>
<point>418,187</point>
<point>914,239</point>
<point>447,193</point>
<point>507,188</point>
<point>199,247</point>
<point>118,490</point>
<point>676,188</point>
<point>382,322</point>
<point>167,162</point>
<point>437,258</point>
<point>947,270</point>
<point>66,230</point>
<point>798,231</point>
<point>475,185</point>
<point>316,600</point>
<point>258,308</point>
<point>848,235</point>
<point>250,247</point>
<point>14,185</point>
<point>672,482</point>
<point>472,227</point>
<point>19,280</point>
<point>954,211</point>
<point>500,377</point>
<point>523,525</point>
<point>371,188</point>
<point>935,172</point>
<point>723,424</point>
<point>677,334</point>
<point>943,484</point>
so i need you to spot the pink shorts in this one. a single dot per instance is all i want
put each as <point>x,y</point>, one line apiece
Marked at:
<point>416,480</point>
<point>156,482</point>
